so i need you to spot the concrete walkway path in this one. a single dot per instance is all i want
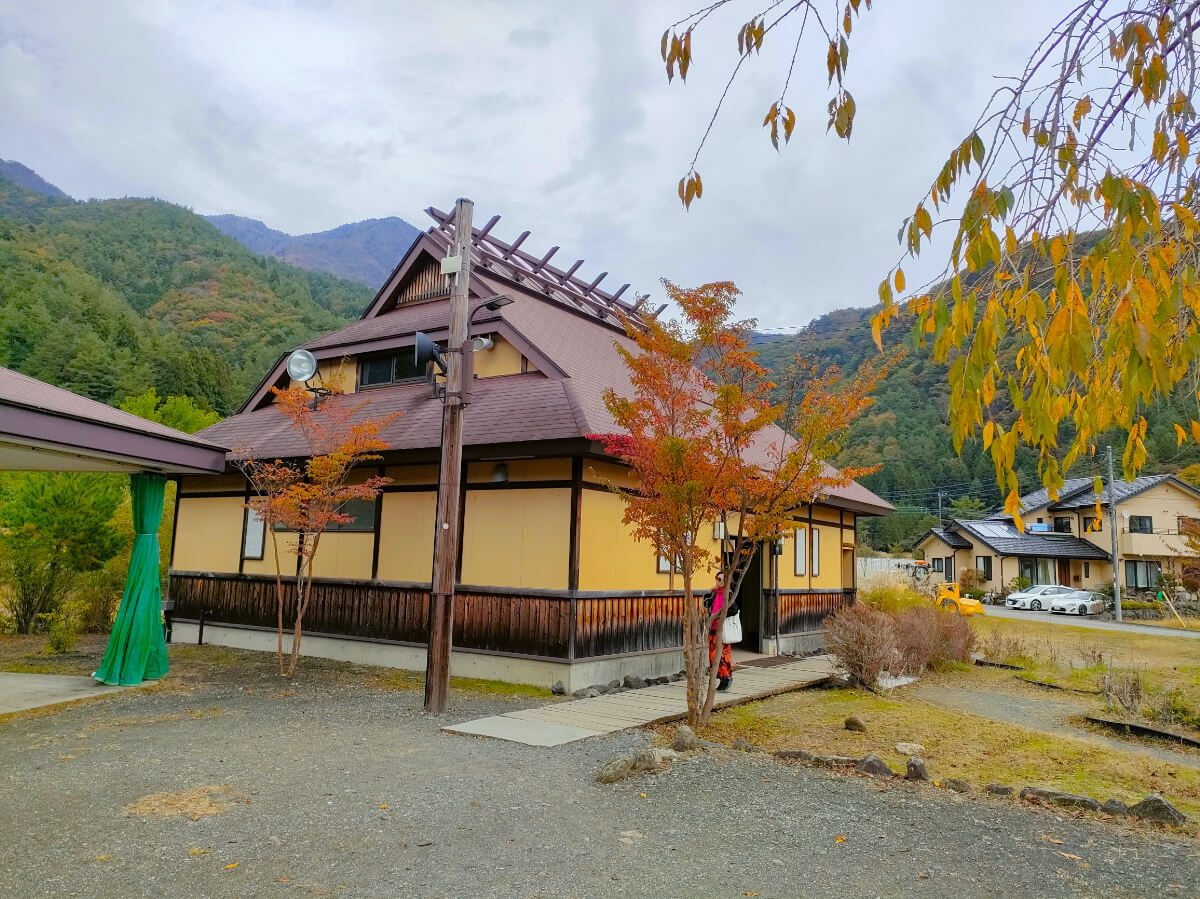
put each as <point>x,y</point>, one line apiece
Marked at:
<point>19,692</point>
<point>565,722</point>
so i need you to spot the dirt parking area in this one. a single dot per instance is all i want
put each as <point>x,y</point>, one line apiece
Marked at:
<point>225,781</point>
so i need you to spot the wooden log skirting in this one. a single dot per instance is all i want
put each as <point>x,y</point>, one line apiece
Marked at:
<point>544,624</point>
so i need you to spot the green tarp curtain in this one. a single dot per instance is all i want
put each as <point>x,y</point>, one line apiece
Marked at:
<point>137,650</point>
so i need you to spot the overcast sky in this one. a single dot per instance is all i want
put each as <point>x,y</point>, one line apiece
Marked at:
<point>557,116</point>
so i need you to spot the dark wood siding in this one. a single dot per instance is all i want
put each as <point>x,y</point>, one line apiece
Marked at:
<point>535,623</point>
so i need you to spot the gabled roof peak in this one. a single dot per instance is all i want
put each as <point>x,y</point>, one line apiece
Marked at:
<point>509,261</point>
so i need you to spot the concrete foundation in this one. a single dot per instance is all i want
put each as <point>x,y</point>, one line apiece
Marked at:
<point>538,672</point>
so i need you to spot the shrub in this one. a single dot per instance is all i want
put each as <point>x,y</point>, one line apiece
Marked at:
<point>93,601</point>
<point>61,633</point>
<point>892,597</point>
<point>956,639</point>
<point>917,638</point>
<point>1174,708</point>
<point>1124,689</point>
<point>1019,583</point>
<point>970,579</point>
<point>864,640</point>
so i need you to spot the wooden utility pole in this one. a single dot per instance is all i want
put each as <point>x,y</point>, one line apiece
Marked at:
<point>447,536</point>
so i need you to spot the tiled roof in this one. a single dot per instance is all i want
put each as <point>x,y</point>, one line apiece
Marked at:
<point>572,325</point>
<point>951,539</point>
<point>1123,489</point>
<point>1005,539</point>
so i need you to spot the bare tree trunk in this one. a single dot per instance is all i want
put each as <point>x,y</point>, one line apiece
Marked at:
<point>278,598</point>
<point>691,654</point>
<point>303,594</point>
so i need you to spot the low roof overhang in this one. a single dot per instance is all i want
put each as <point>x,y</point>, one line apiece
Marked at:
<point>46,428</point>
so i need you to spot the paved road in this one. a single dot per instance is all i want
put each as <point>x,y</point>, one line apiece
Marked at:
<point>348,791</point>
<point>1098,624</point>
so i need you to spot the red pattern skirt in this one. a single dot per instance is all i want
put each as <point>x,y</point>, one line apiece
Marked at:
<point>725,668</point>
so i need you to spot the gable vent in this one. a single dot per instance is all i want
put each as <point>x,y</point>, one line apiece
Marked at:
<point>428,282</point>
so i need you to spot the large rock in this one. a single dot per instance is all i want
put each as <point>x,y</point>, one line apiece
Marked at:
<point>685,739</point>
<point>617,769</point>
<point>1155,808</point>
<point>856,723</point>
<point>1061,799</point>
<point>957,785</point>
<point>834,761</point>
<point>633,682</point>
<point>910,748</point>
<point>999,789</point>
<point>916,770</point>
<point>875,766</point>
<point>1115,807</point>
<point>644,760</point>
<point>559,688</point>
<point>741,744</point>
<point>799,755</point>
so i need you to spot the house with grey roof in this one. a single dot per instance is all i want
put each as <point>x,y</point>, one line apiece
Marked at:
<point>1067,539</point>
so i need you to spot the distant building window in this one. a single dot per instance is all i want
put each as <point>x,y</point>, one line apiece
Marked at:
<point>1062,524</point>
<point>1140,575</point>
<point>937,563</point>
<point>1091,524</point>
<point>816,552</point>
<point>1087,569</point>
<point>984,565</point>
<point>1141,524</point>
<point>256,532</point>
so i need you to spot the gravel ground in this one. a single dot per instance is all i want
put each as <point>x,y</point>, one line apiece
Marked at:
<point>349,790</point>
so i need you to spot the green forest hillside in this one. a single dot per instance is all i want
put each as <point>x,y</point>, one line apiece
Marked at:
<point>906,431</point>
<point>110,297</point>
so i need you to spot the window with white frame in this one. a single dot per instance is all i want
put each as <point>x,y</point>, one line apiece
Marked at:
<point>816,552</point>
<point>800,544</point>
<point>255,535</point>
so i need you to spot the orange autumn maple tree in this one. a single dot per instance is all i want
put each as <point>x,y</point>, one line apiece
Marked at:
<point>303,498</point>
<point>712,439</point>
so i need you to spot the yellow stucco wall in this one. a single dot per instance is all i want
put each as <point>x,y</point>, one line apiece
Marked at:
<point>609,557</point>
<point>517,538</point>
<point>406,536</point>
<point>209,533</point>
<point>344,555</point>
<point>502,359</point>
<point>335,373</point>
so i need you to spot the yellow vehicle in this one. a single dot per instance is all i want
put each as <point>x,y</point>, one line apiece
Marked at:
<point>950,598</point>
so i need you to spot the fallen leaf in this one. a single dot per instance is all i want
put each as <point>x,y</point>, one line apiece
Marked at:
<point>923,876</point>
<point>840,839</point>
<point>103,858</point>
<point>197,852</point>
<point>234,865</point>
<point>425,844</point>
<point>1052,840</point>
<point>283,880</point>
<point>643,795</point>
<point>384,805</point>
<point>751,893</point>
<point>1069,855</point>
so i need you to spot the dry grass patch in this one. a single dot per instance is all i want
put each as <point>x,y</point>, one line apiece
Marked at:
<point>198,802</point>
<point>975,749</point>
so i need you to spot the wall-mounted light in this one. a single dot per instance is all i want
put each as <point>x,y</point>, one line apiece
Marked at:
<point>500,473</point>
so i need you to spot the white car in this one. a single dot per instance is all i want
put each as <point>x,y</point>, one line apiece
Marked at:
<point>1038,597</point>
<point>1080,602</point>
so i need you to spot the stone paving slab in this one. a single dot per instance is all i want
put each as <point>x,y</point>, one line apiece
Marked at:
<point>565,722</point>
<point>20,692</point>
<point>516,730</point>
